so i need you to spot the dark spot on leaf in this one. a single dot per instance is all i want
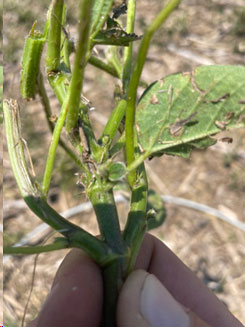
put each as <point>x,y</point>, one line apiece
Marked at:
<point>195,86</point>
<point>221,124</point>
<point>154,99</point>
<point>177,128</point>
<point>229,115</point>
<point>220,99</point>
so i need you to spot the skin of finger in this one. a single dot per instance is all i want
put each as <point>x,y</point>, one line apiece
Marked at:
<point>128,307</point>
<point>195,320</point>
<point>182,283</point>
<point>77,294</point>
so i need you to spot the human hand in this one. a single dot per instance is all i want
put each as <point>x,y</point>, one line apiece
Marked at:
<point>161,291</point>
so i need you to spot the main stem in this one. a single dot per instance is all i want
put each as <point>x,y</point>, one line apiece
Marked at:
<point>113,274</point>
<point>113,278</point>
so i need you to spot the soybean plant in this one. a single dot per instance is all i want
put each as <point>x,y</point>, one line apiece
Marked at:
<point>173,116</point>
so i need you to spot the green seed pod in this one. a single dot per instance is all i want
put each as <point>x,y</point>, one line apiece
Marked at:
<point>31,63</point>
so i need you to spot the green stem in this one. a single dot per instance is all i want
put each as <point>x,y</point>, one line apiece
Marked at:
<point>65,46</point>
<point>59,245</point>
<point>113,278</point>
<point>52,149</point>
<point>31,59</point>
<point>114,121</point>
<point>113,274</point>
<point>76,84</point>
<point>96,62</point>
<point>77,236</point>
<point>47,109</point>
<point>45,101</point>
<point>59,83</point>
<point>112,58</point>
<point>86,126</point>
<point>134,82</point>
<point>107,217</point>
<point>103,66</point>
<point>138,161</point>
<point>136,223</point>
<point>129,50</point>
<point>54,36</point>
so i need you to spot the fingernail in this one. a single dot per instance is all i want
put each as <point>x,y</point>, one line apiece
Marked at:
<point>159,308</point>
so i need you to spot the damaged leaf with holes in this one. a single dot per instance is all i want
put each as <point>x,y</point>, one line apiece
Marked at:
<point>183,111</point>
<point>114,34</point>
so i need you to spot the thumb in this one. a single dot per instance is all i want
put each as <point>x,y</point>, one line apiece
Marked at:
<point>145,302</point>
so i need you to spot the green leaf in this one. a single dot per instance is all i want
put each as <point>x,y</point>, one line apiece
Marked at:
<point>156,212</point>
<point>100,12</point>
<point>182,111</point>
<point>117,171</point>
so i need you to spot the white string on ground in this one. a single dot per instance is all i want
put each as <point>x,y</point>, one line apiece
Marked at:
<point>120,198</point>
<point>203,208</point>
<point>188,54</point>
